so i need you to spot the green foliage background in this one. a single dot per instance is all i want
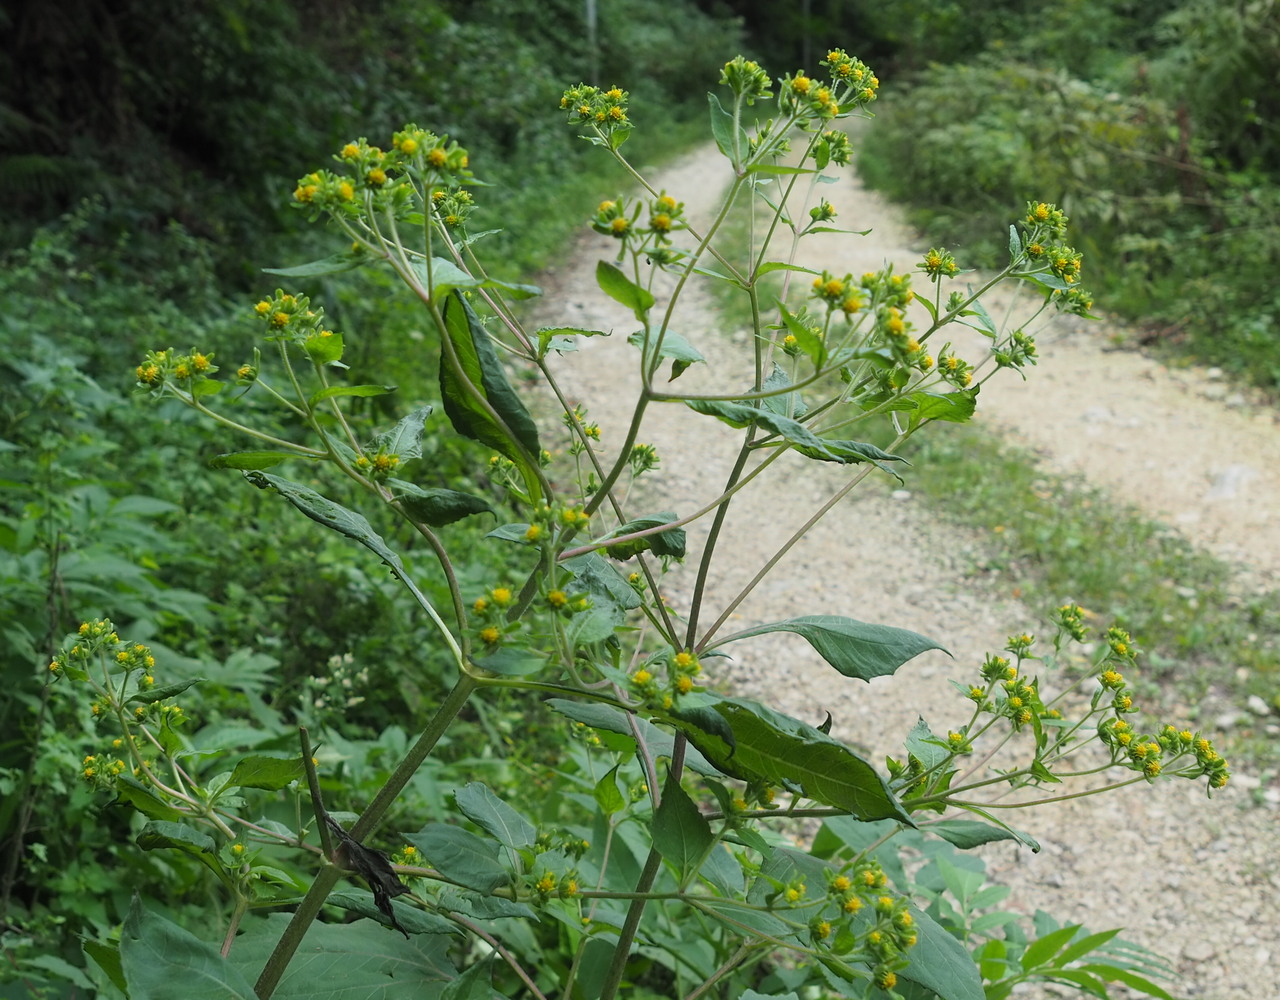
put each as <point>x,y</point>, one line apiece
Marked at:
<point>147,150</point>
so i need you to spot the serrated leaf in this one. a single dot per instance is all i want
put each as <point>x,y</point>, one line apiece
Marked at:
<point>446,277</point>
<point>437,507</point>
<point>681,834</point>
<point>332,515</point>
<point>955,407</point>
<point>852,453</point>
<point>480,805</point>
<point>161,961</point>
<point>669,543</point>
<point>162,691</point>
<point>924,745</point>
<point>612,720</point>
<point>1015,244</point>
<point>673,346</point>
<point>471,369</point>
<point>969,833</point>
<point>623,290</point>
<point>129,791</point>
<point>939,962</point>
<point>788,404</point>
<point>775,748</point>
<point>548,336</point>
<point>271,773</point>
<point>160,834</point>
<point>809,342</point>
<point>461,856</point>
<point>405,438</point>
<point>342,961</point>
<point>856,649</point>
<point>328,392</point>
<point>409,918</point>
<point>730,137</point>
<point>742,415</point>
<point>323,348</point>
<point>335,264</point>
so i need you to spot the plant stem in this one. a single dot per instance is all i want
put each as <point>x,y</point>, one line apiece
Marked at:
<point>328,876</point>
<point>636,910</point>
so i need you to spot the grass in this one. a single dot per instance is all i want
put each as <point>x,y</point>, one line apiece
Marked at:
<point>1049,539</point>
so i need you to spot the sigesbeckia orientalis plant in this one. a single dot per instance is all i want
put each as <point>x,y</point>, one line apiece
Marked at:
<point>660,862</point>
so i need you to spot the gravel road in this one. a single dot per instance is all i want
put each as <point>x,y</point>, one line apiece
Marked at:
<point>1193,879</point>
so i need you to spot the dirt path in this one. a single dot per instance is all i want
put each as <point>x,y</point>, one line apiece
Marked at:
<point>1195,881</point>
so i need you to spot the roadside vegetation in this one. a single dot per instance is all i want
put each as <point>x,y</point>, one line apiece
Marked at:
<point>148,150</point>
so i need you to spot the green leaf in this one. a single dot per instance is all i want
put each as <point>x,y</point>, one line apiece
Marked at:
<point>205,387</point>
<point>332,515</point>
<point>782,265</point>
<point>606,793</point>
<point>788,404</point>
<point>852,453</point>
<point>129,791</point>
<point>561,338</point>
<point>955,407</point>
<point>779,169</point>
<point>512,661</point>
<point>776,748</point>
<point>622,289</point>
<point>610,595</point>
<point>474,984</point>
<point>107,958</point>
<point>939,962</point>
<point>342,961</point>
<point>985,324</point>
<point>681,834</point>
<point>1015,244</point>
<point>498,418</point>
<point>1111,973</point>
<point>480,805</point>
<point>437,507</point>
<point>1042,949</point>
<point>271,773</point>
<point>160,834</point>
<point>743,414</point>
<point>461,856</point>
<point>673,346</point>
<point>247,460</point>
<point>162,691</point>
<point>608,719</point>
<point>446,276</point>
<point>1083,945</point>
<point>969,833</point>
<point>335,264</point>
<point>927,747</point>
<point>854,648</point>
<point>812,344</point>
<point>728,138</point>
<point>323,348</point>
<point>410,918</point>
<point>670,543</point>
<point>405,438</point>
<point>161,961</point>
<point>348,390</point>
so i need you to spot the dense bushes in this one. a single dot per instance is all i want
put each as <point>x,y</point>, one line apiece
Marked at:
<point>147,150</point>
<point>1158,136</point>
